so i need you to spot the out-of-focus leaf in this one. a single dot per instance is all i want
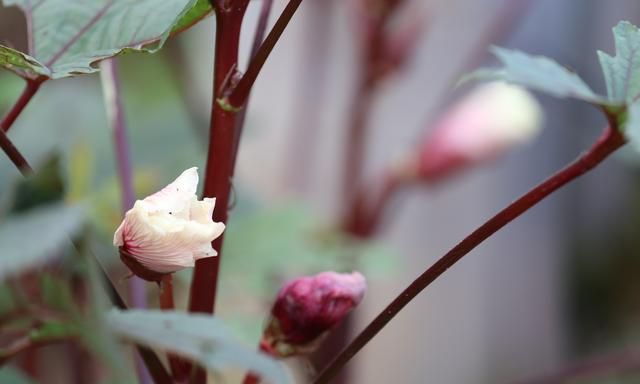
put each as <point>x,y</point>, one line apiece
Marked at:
<point>68,37</point>
<point>539,73</point>
<point>622,72</point>
<point>9,375</point>
<point>42,188</point>
<point>196,336</point>
<point>34,237</point>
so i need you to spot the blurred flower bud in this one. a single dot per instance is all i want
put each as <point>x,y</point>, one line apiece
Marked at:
<point>306,308</point>
<point>492,119</point>
<point>168,230</point>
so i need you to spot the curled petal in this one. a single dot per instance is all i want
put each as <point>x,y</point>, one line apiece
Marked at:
<point>170,229</point>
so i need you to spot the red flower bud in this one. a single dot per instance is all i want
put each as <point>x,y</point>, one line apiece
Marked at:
<point>306,308</point>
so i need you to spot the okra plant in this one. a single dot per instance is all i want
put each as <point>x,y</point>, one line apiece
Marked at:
<point>56,288</point>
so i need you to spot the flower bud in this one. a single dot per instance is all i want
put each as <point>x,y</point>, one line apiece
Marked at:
<point>306,308</point>
<point>492,119</point>
<point>168,230</point>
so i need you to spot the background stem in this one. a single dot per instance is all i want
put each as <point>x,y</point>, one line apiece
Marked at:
<point>112,90</point>
<point>610,141</point>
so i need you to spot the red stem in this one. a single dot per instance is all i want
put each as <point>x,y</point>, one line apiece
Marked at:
<point>220,161</point>
<point>14,154</point>
<point>27,94</point>
<point>240,93</point>
<point>610,141</point>
<point>258,37</point>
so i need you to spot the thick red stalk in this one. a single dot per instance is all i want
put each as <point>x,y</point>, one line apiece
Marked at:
<point>219,169</point>
<point>27,94</point>
<point>217,182</point>
<point>610,141</point>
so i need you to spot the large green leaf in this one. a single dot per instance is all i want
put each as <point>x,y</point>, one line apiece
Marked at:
<point>539,73</point>
<point>68,37</point>
<point>622,72</point>
<point>196,336</point>
<point>32,238</point>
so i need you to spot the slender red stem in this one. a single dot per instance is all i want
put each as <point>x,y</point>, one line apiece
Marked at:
<point>610,141</point>
<point>29,91</point>
<point>240,93</point>
<point>258,37</point>
<point>14,154</point>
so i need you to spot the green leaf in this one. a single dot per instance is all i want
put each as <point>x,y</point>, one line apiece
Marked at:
<point>68,37</point>
<point>200,10</point>
<point>539,73</point>
<point>622,72</point>
<point>196,336</point>
<point>22,64</point>
<point>32,238</point>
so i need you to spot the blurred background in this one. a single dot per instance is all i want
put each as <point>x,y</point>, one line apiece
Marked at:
<point>558,285</point>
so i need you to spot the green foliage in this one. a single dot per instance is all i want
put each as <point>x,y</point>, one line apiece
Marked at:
<point>542,74</point>
<point>196,336</point>
<point>32,238</point>
<point>200,10</point>
<point>68,37</point>
<point>622,72</point>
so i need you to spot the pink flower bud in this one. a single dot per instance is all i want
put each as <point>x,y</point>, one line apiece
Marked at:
<point>490,120</point>
<point>307,307</point>
<point>168,230</point>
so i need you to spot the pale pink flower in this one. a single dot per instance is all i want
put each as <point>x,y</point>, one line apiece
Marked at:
<point>490,120</point>
<point>307,307</point>
<point>169,230</point>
